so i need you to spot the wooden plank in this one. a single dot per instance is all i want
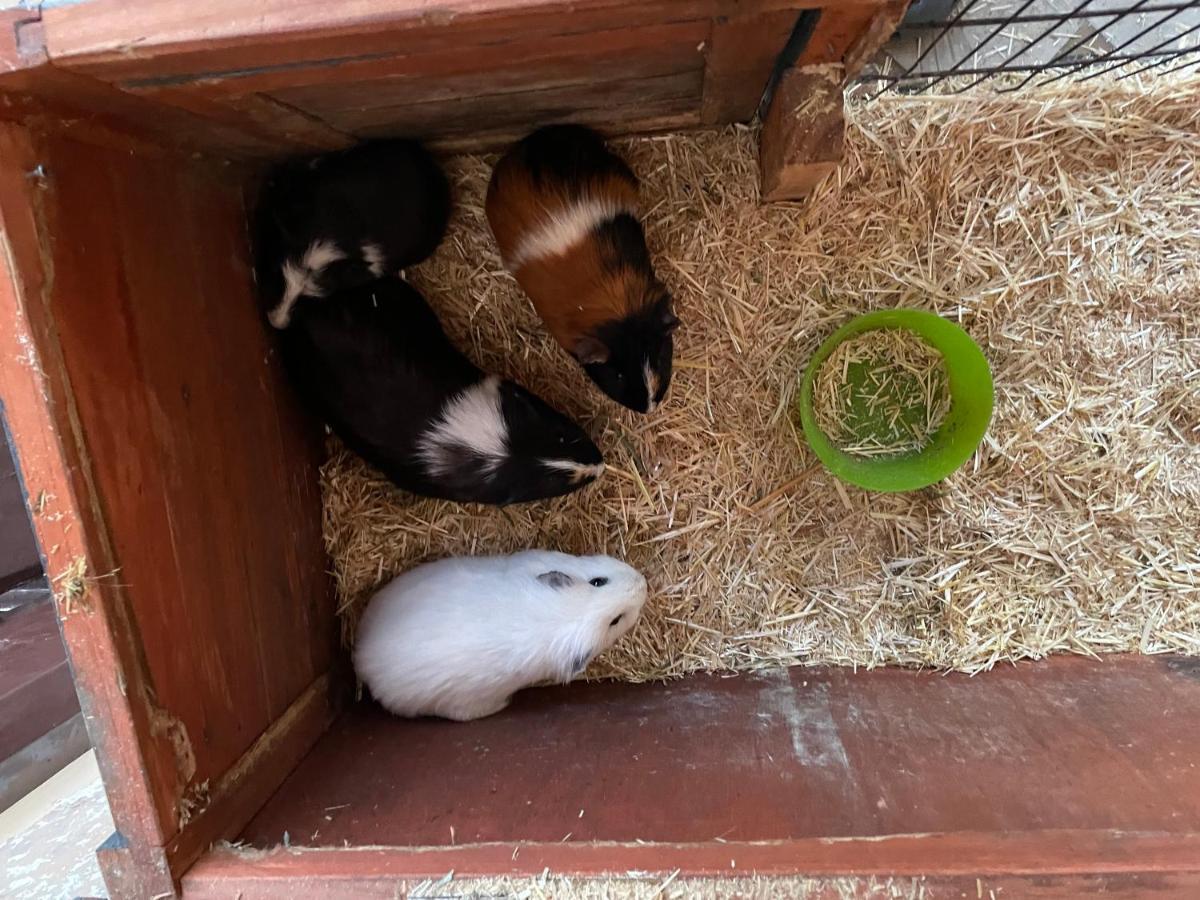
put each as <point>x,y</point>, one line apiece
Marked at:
<point>602,120</point>
<point>20,40</point>
<point>234,798</point>
<point>38,761</point>
<point>19,559</point>
<point>741,57</point>
<point>592,104</point>
<point>206,474</point>
<point>882,26</point>
<point>803,133</point>
<point>1067,744</point>
<point>39,408</point>
<point>534,64</point>
<point>170,37</point>
<point>284,128</point>
<point>36,691</point>
<point>49,98</point>
<point>1051,864</point>
<point>838,28</point>
<point>202,473</point>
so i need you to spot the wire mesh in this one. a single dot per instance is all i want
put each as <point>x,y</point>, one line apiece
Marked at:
<point>1036,40</point>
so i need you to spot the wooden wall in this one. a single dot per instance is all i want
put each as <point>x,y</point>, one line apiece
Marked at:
<point>469,74</point>
<point>175,481</point>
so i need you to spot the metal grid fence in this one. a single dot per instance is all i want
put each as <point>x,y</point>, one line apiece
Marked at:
<point>960,45</point>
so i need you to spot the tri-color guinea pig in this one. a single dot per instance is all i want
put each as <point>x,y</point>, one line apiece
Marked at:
<point>374,363</point>
<point>342,219</point>
<point>564,211</point>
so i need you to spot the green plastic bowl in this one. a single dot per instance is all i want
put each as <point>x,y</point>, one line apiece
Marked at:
<point>971,397</point>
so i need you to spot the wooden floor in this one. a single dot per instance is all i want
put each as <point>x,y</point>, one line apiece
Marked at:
<point>1068,744</point>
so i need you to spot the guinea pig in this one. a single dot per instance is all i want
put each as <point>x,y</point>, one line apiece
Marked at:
<point>456,637</point>
<point>344,219</point>
<point>563,209</point>
<point>374,362</point>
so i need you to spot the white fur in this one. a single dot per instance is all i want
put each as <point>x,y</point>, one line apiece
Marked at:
<point>301,280</point>
<point>652,385</point>
<point>472,419</point>
<point>563,228</point>
<point>373,257</point>
<point>577,470</point>
<point>455,638</point>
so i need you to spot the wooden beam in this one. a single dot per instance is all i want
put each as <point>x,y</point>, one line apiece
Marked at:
<point>1071,862</point>
<point>803,133</point>
<point>882,26</point>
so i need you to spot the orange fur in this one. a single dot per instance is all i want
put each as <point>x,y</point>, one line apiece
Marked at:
<point>572,291</point>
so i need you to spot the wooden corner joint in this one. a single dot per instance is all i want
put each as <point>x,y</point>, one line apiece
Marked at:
<point>22,40</point>
<point>803,133</point>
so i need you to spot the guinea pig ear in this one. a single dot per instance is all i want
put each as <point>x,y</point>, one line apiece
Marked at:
<point>556,580</point>
<point>590,351</point>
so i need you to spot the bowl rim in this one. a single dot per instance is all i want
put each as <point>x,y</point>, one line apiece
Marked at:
<point>973,399</point>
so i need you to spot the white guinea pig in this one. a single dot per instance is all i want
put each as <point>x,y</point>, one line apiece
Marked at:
<point>456,637</point>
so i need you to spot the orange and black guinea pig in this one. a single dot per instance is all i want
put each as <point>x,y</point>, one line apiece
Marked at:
<point>564,210</point>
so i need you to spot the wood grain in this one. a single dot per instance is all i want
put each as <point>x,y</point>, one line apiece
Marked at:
<point>838,28</point>
<point>40,411</point>
<point>741,57</point>
<point>882,26</point>
<point>520,64</point>
<point>803,132</point>
<point>208,612</point>
<point>173,37</point>
<point>204,470</point>
<point>600,104</point>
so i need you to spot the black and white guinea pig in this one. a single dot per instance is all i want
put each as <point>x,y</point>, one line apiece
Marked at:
<point>374,362</point>
<point>564,210</point>
<point>343,219</point>
<point>457,637</point>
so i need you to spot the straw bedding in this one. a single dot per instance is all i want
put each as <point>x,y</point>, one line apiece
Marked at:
<point>653,886</point>
<point>1060,227</point>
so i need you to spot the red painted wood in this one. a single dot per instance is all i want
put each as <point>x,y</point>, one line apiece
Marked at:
<point>240,792</point>
<point>1049,863</point>
<point>519,64</point>
<point>609,106</point>
<point>205,471</point>
<point>1064,744</point>
<point>206,632</point>
<point>38,407</point>
<point>741,56</point>
<point>174,37</point>
<point>36,691</point>
<point>837,30</point>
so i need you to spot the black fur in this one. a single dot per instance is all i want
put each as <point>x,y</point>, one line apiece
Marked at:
<point>570,155</point>
<point>644,336</point>
<point>374,362</point>
<point>623,246</point>
<point>390,193</point>
<point>575,159</point>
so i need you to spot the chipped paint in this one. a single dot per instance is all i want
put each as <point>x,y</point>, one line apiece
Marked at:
<point>816,741</point>
<point>164,724</point>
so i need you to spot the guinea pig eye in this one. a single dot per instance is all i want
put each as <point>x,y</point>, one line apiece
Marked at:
<point>617,621</point>
<point>598,582</point>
